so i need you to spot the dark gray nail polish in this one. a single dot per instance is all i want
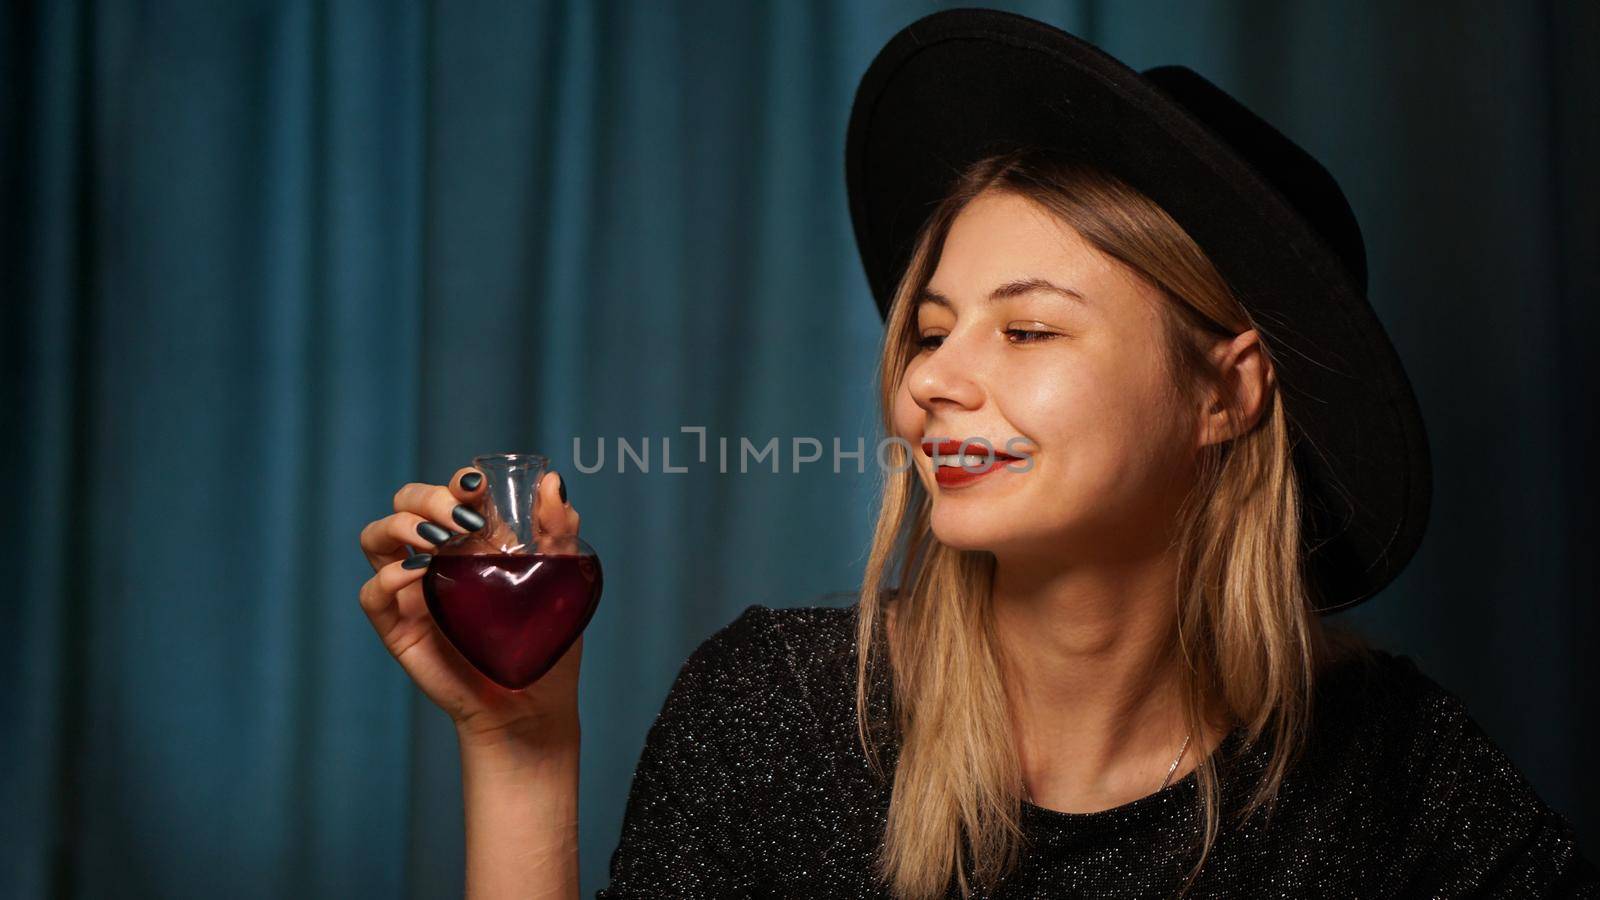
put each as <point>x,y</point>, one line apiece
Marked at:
<point>432,533</point>
<point>466,517</point>
<point>470,481</point>
<point>417,561</point>
<point>562,484</point>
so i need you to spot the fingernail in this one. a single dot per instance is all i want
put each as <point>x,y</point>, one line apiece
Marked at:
<point>470,481</point>
<point>562,484</point>
<point>432,533</point>
<point>466,517</point>
<point>417,561</point>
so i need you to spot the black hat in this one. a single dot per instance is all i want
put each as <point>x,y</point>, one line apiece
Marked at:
<point>961,83</point>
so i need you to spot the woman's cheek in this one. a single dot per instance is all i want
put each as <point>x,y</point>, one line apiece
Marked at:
<point>906,418</point>
<point>1045,409</point>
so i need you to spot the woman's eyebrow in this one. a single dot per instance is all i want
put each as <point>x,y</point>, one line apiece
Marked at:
<point>1010,289</point>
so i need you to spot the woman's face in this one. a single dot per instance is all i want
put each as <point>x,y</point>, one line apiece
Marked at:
<point>1076,384</point>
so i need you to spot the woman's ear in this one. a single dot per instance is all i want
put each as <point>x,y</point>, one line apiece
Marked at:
<point>1245,377</point>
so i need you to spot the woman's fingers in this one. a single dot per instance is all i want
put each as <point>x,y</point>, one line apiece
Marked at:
<point>409,599</point>
<point>438,504</point>
<point>557,518</point>
<point>468,485</point>
<point>385,540</point>
<point>380,594</point>
<point>427,515</point>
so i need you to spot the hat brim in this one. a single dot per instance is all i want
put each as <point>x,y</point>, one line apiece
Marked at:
<point>959,84</point>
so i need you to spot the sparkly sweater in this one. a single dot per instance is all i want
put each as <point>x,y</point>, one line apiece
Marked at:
<point>752,784</point>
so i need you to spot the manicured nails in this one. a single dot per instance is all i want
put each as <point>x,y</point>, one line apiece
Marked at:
<point>417,561</point>
<point>471,480</point>
<point>466,517</point>
<point>432,533</point>
<point>561,483</point>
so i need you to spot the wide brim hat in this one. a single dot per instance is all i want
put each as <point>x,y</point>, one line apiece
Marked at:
<point>959,84</point>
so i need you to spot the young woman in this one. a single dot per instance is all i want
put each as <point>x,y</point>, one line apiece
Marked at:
<point>1100,670</point>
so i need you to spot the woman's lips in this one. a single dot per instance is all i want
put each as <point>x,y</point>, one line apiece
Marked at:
<point>951,477</point>
<point>954,469</point>
<point>978,446</point>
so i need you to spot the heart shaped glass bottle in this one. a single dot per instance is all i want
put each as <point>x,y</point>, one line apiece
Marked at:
<point>509,596</point>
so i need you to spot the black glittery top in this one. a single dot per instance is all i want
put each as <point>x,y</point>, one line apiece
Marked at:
<point>752,784</point>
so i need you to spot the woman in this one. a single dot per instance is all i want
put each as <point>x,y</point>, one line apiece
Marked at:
<point>1101,669</point>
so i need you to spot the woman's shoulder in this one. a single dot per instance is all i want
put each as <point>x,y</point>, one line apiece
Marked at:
<point>1400,715</point>
<point>1379,685</point>
<point>823,622</point>
<point>1459,810</point>
<point>777,643</point>
<point>767,650</point>
<point>1390,697</point>
<point>736,742</point>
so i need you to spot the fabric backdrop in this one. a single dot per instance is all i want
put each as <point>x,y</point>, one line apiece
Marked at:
<point>266,261</point>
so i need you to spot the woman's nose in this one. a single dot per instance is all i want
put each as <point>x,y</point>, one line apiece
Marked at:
<point>945,376</point>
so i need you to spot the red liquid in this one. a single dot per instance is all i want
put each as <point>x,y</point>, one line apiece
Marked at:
<point>512,616</point>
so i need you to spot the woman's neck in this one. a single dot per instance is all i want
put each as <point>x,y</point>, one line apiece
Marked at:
<point>1094,680</point>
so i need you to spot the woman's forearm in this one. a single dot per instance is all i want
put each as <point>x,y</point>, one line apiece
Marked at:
<point>521,799</point>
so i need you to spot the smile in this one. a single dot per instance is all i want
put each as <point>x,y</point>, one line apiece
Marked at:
<point>967,470</point>
<point>953,469</point>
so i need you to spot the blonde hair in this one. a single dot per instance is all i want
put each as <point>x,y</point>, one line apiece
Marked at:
<point>1250,641</point>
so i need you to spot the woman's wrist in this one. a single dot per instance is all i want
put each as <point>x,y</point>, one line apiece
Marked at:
<point>519,744</point>
<point>520,791</point>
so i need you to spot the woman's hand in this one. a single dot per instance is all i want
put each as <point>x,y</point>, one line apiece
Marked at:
<point>425,515</point>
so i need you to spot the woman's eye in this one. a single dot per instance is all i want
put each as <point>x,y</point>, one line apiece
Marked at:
<point>1018,335</point>
<point>1030,337</point>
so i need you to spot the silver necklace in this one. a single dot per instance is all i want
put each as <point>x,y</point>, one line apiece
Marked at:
<point>1028,795</point>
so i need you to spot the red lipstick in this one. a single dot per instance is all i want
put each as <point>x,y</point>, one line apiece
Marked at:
<point>953,470</point>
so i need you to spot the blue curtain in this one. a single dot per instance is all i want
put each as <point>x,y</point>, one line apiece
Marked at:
<point>266,261</point>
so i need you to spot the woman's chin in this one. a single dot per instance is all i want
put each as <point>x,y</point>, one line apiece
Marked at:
<point>967,534</point>
<point>994,531</point>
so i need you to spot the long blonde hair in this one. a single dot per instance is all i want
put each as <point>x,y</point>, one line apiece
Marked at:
<point>1250,641</point>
